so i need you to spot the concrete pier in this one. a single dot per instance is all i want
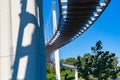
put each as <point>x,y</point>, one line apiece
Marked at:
<point>22,46</point>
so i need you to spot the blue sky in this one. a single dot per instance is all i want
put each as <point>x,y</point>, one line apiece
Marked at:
<point>106,29</point>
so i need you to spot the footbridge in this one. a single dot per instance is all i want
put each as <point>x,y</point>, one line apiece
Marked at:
<point>22,28</point>
<point>75,17</point>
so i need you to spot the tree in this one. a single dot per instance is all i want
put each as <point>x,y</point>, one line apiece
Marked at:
<point>64,71</point>
<point>50,72</point>
<point>85,57</point>
<point>69,61</point>
<point>84,70</point>
<point>102,64</point>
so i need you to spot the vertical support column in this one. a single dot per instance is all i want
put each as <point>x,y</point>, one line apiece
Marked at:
<point>5,45</point>
<point>54,17</point>
<point>28,40</point>
<point>57,60</point>
<point>41,47</point>
<point>57,65</point>
<point>76,74</point>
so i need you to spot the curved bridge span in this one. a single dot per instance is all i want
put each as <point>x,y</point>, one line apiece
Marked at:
<point>76,16</point>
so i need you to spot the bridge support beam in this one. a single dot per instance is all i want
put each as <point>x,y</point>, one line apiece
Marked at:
<point>57,65</point>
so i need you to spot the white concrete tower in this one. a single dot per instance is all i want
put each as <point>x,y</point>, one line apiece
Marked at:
<point>22,47</point>
<point>57,64</point>
<point>76,74</point>
<point>5,40</point>
<point>56,53</point>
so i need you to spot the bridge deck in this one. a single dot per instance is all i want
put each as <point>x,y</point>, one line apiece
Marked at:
<point>76,16</point>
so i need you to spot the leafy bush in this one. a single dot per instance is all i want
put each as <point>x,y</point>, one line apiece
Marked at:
<point>51,77</point>
<point>118,74</point>
<point>101,65</point>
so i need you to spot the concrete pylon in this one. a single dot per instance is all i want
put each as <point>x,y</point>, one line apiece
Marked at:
<point>76,74</point>
<point>56,53</point>
<point>5,45</point>
<point>22,46</point>
<point>57,65</point>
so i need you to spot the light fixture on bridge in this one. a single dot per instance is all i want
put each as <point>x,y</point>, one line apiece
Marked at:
<point>75,37</point>
<point>82,30</point>
<point>89,22</point>
<point>64,7</point>
<point>65,16</point>
<point>95,14</point>
<point>55,38</point>
<point>103,4</point>
<point>64,0</point>
<point>92,18</point>
<point>64,12</point>
<point>72,39</point>
<point>87,25</point>
<point>79,33</point>
<point>99,10</point>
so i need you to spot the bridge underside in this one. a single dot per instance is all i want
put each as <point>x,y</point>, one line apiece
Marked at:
<point>76,16</point>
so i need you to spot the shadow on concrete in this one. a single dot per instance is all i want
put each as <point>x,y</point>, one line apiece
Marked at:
<point>32,51</point>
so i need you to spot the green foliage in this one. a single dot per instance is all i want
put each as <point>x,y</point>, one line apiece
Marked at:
<point>104,65</point>
<point>118,75</point>
<point>69,73</point>
<point>50,72</point>
<point>64,72</point>
<point>84,71</point>
<point>97,47</point>
<point>69,61</point>
<point>51,77</point>
<point>101,65</point>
